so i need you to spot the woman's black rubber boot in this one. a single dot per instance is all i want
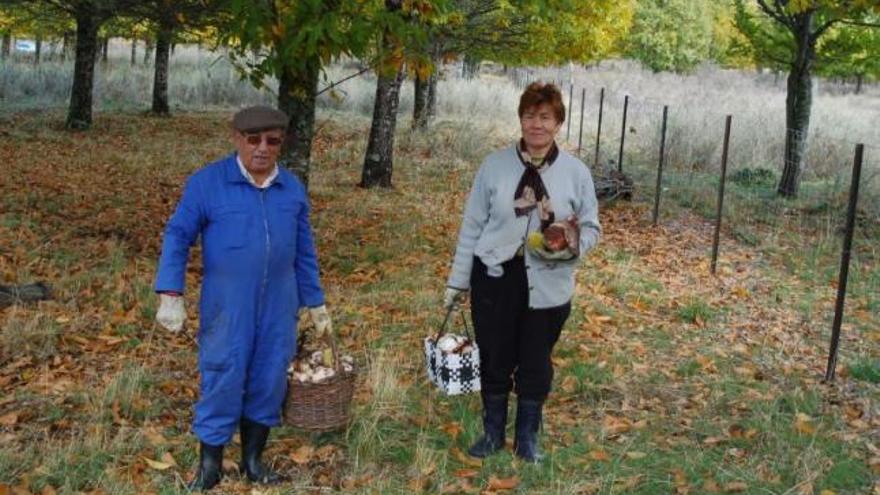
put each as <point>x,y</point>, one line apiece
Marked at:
<point>494,423</point>
<point>528,422</point>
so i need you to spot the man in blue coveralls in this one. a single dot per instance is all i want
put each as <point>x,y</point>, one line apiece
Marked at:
<point>260,268</point>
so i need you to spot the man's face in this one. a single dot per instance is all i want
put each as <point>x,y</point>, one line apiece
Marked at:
<point>539,126</point>
<point>258,151</point>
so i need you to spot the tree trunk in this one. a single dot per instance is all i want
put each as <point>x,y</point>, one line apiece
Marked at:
<point>6,48</point>
<point>148,50</point>
<point>160,71</point>
<point>65,46</point>
<point>798,103</point>
<point>296,97</point>
<point>420,103</point>
<point>437,61</point>
<point>38,47</point>
<point>378,162</point>
<point>105,48</point>
<point>469,67</point>
<point>79,115</point>
<point>859,79</point>
<point>134,46</point>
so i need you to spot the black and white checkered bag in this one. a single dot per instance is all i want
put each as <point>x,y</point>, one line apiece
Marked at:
<point>454,370</point>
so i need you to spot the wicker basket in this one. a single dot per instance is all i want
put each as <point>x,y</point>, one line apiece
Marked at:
<point>323,406</point>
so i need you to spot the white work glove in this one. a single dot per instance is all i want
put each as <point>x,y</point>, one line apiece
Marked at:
<point>171,314</point>
<point>321,319</point>
<point>453,296</point>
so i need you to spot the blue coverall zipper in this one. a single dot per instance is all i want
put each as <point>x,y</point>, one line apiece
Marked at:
<point>266,259</point>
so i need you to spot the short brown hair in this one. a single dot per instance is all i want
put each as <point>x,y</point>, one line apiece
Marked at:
<point>537,94</point>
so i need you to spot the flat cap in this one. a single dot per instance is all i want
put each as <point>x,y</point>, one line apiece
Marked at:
<point>259,118</point>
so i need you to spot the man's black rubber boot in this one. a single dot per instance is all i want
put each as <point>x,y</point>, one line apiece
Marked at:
<point>210,468</point>
<point>253,441</point>
<point>494,423</point>
<point>528,422</point>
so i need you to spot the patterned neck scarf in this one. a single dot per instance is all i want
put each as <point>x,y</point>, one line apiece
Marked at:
<point>530,192</point>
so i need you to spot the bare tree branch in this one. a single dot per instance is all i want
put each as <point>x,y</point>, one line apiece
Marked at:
<point>776,13</point>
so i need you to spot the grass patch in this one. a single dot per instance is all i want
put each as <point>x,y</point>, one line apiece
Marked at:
<point>696,310</point>
<point>866,370</point>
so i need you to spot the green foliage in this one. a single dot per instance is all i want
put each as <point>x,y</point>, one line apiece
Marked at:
<point>757,176</point>
<point>291,34</point>
<point>842,32</point>
<point>851,51</point>
<point>672,35</point>
<point>537,32</point>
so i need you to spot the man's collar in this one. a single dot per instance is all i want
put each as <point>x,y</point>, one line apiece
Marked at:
<point>235,172</point>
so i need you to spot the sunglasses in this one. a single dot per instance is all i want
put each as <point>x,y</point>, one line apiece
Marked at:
<point>256,139</point>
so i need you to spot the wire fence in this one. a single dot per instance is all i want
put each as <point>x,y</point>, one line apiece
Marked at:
<point>805,233</point>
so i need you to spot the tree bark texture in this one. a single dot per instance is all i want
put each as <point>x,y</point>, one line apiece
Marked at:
<point>297,91</point>
<point>148,50</point>
<point>38,48</point>
<point>6,48</point>
<point>432,95</point>
<point>134,45</point>
<point>378,162</point>
<point>105,48</point>
<point>65,46</point>
<point>160,70</point>
<point>420,103</point>
<point>79,114</point>
<point>798,103</point>
<point>470,67</point>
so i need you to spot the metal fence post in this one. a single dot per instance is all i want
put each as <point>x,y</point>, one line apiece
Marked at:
<point>717,237</point>
<point>622,134</point>
<point>845,254</point>
<point>660,166</point>
<point>599,127</point>
<point>570,104</point>
<point>581,129</point>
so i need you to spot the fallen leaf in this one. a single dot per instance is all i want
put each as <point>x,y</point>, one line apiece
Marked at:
<point>168,458</point>
<point>303,454</point>
<point>157,465</point>
<point>711,486</point>
<point>502,483</point>
<point>803,424</point>
<point>9,419</point>
<point>154,437</point>
<point>230,466</point>
<point>714,440</point>
<point>636,455</point>
<point>599,455</point>
<point>736,431</point>
<point>418,484</point>
<point>466,459</point>
<point>735,487</point>
<point>466,473</point>
<point>453,429</point>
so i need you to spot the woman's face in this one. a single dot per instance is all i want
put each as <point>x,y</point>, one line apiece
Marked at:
<point>539,126</point>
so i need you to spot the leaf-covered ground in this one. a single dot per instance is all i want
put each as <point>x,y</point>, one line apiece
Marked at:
<point>668,379</point>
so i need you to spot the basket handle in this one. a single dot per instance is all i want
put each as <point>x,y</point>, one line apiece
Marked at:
<point>442,328</point>
<point>331,340</point>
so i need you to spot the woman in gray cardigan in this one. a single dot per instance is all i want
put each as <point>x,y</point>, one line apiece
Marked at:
<point>532,212</point>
